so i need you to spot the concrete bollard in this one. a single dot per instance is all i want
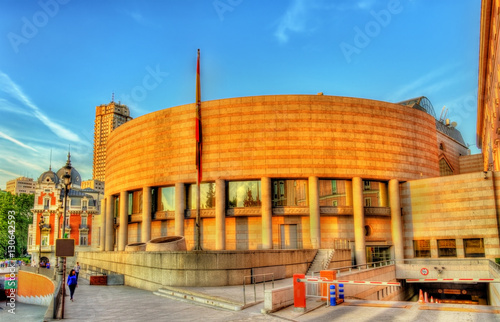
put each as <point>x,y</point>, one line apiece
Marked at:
<point>333,297</point>
<point>341,292</point>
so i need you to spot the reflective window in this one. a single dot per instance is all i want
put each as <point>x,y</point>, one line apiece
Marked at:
<point>289,193</point>
<point>332,193</point>
<point>207,196</point>
<point>447,248</point>
<point>243,194</point>
<point>372,191</point>
<point>135,202</point>
<point>116,208</point>
<point>422,248</point>
<point>474,247</point>
<point>83,239</point>
<point>45,239</point>
<point>166,199</point>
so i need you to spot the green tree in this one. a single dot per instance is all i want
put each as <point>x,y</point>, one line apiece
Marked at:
<point>15,216</point>
<point>210,196</point>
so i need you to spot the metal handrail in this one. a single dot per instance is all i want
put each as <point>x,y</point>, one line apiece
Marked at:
<point>361,266</point>
<point>254,285</point>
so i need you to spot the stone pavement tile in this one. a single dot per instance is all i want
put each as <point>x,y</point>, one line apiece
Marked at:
<point>23,312</point>
<point>124,303</point>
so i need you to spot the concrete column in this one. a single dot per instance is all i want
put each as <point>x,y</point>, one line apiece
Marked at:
<point>146,215</point>
<point>267,213</point>
<point>396,220</point>
<point>123,237</point>
<point>314,221</point>
<point>359,221</point>
<point>110,225</point>
<point>180,207</point>
<point>220,214</point>
<point>382,194</point>
<point>348,193</point>
<point>102,236</point>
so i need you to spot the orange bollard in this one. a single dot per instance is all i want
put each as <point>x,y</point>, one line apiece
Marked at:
<point>325,289</point>
<point>299,292</point>
<point>432,299</point>
<point>426,300</point>
<point>420,297</point>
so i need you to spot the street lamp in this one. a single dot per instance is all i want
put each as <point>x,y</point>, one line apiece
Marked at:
<point>66,180</point>
<point>40,225</point>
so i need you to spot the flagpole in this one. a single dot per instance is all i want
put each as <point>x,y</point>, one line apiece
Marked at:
<point>198,154</point>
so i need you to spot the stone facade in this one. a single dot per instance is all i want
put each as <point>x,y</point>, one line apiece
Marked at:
<point>21,185</point>
<point>453,208</point>
<point>488,98</point>
<point>326,171</point>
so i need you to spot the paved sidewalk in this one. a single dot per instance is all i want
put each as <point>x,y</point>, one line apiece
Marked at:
<point>124,303</point>
<point>23,312</point>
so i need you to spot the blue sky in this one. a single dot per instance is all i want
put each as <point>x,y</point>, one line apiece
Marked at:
<point>59,59</point>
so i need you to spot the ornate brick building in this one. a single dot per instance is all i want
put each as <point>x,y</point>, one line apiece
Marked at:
<point>48,210</point>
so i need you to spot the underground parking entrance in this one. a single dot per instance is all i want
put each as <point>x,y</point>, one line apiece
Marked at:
<point>453,293</point>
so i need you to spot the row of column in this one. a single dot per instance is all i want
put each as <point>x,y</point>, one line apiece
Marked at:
<point>354,198</point>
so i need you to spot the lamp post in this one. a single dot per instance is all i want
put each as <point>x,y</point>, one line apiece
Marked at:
<point>67,185</point>
<point>40,225</point>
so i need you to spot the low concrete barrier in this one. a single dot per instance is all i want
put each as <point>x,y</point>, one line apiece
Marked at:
<point>277,299</point>
<point>152,270</point>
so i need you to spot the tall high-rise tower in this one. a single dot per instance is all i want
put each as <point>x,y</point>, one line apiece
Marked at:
<point>107,118</point>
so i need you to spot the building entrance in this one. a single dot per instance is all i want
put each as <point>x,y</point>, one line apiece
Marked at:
<point>288,236</point>
<point>378,253</point>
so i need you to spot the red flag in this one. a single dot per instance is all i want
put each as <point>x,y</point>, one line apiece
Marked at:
<point>198,120</point>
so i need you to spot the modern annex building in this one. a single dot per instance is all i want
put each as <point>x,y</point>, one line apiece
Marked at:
<point>299,172</point>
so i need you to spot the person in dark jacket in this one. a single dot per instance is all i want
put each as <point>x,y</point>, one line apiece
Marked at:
<point>72,283</point>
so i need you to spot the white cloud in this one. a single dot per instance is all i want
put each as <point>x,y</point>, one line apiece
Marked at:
<point>11,139</point>
<point>11,88</point>
<point>425,84</point>
<point>294,20</point>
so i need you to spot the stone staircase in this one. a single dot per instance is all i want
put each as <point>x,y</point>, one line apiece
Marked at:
<point>321,261</point>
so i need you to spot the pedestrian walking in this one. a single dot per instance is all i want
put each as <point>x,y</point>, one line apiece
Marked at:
<point>77,270</point>
<point>72,283</point>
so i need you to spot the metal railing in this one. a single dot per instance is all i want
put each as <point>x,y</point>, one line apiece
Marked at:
<point>360,266</point>
<point>253,281</point>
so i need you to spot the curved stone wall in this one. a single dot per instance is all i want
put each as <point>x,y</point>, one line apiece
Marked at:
<point>35,289</point>
<point>279,136</point>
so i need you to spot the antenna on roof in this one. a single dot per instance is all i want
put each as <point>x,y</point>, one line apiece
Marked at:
<point>442,117</point>
<point>112,97</point>
<point>50,162</point>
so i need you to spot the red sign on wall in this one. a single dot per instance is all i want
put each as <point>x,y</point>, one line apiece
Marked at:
<point>424,271</point>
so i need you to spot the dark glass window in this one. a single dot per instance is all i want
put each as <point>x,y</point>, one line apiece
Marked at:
<point>243,194</point>
<point>422,248</point>
<point>166,199</point>
<point>290,193</point>
<point>207,196</point>
<point>332,193</point>
<point>474,247</point>
<point>447,248</point>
